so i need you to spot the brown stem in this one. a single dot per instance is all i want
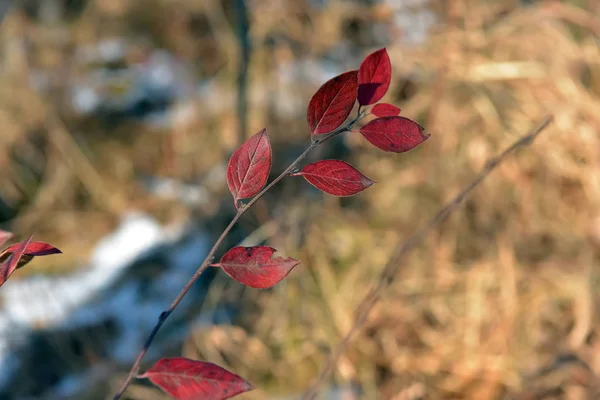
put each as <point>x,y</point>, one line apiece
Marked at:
<point>206,263</point>
<point>393,265</point>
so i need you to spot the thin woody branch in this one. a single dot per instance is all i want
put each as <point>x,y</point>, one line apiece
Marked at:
<point>392,268</point>
<point>135,369</point>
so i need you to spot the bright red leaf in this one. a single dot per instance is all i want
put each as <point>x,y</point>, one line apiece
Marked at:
<point>10,264</point>
<point>249,167</point>
<point>255,266</point>
<point>4,236</point>
<point>374,76</point>
<point>33,249</point>
<point>395,134</point>
<point>335,177</point>
<point>186,379</point>
<point>385,110</point>
<point>332,103</point>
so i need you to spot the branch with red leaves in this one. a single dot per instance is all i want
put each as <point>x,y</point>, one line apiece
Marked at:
<point>247,174</point>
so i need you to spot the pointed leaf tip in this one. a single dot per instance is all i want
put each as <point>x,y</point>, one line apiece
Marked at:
<point>394,134</point>
<point>335,177</point>
<point>255,266</point>
<point>374,77</point>
<point>186,379</point>
<point>332,103</point>
<point>249,167</point>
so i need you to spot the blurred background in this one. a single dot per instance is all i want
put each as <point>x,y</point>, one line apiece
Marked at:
<point>117,120</point>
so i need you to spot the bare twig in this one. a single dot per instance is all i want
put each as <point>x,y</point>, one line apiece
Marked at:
<point>206,263</point>
<point>392,268</point>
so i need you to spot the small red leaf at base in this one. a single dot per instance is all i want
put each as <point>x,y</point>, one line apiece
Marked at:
<point>255,266</point>
<point>187,379</point>
<point>249,167</point>
<point>335,177</point>
<point>12,261</point>
<point>385,110</point>
<point>374,77</point>
<point>332,104</point>
<point>394,134</point>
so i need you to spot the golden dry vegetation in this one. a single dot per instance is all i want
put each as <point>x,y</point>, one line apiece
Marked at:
<point>500,302</point>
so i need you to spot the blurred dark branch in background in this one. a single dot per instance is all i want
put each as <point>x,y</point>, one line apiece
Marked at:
<point>245,48</point>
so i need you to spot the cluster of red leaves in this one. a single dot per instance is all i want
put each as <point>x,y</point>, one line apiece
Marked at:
<point>20,254</point>
<point>247,174</point>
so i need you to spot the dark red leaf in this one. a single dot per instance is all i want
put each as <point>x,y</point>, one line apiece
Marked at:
<point>395,134</point>
<point>332,103</point>
<point>186,379</point>
<point>4,236</point>
<point>10,264</point>
<point>385,110</point>
<point>249,167</point>
<point>255,266</point>
<point>335,177</point>
<point>374,76</point>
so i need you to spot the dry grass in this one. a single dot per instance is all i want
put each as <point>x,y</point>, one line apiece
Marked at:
<point>489,305</point>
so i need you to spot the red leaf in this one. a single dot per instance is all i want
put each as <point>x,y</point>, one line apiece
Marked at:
<point>395,134</point>
<point>33,249</point>
<point>255,266</point>
<point>4,236</point>
<point>332,103</point>
<point>385,110</point>
<point>335,177</point>
<point>249,167</point>
<point>10,264</point>
<point>374,76</point>
<point>187,379</point>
